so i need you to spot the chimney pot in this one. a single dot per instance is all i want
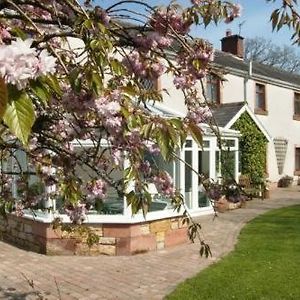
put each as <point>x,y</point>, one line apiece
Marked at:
<point>228,32</point>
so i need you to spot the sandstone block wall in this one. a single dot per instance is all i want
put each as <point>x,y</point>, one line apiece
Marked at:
<point>115,239</point>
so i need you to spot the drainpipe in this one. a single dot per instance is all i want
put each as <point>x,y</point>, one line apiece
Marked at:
<point>247,77</point>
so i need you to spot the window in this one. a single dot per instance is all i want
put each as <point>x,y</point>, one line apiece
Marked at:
<point>297,161</point>
<point>297,106</point>
<point>260,98</point>
<point>150,84</point>
<point>213,89</point>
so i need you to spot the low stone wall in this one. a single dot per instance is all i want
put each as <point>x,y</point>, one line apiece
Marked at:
<point>115,239</point>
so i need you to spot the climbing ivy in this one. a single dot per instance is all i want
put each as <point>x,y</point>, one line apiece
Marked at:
<point>253,147</point>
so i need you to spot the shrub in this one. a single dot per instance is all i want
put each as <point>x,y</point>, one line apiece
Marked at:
<point>285,181</point>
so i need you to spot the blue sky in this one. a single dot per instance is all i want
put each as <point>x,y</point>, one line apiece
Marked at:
<point>255,18</point>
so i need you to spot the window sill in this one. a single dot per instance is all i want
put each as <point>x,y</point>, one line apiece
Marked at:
<point>259,111</point>
<point>296,117</point>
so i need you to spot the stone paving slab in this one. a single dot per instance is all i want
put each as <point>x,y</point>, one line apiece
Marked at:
<point>145,276</point>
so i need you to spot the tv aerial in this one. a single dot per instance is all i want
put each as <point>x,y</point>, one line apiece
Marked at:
<point>240,26</point>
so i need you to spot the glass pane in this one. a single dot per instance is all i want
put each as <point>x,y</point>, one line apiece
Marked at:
<point>218,161</point>
<point>147,83</point>
<point>228,167</point>
<point>297,162</point>
<point>203,168</point>
<point>260,96</point>
<point>212,88</point>
<point>203,163</point>
<point>188,143</point>
<point>297,106</point>
<point>113,203</point>
<point>160,202</point>
<point>205,144</point>
<point>229,143</point>
<point>188,178</point>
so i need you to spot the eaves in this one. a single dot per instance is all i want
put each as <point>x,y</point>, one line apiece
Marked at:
<point>261,78</point>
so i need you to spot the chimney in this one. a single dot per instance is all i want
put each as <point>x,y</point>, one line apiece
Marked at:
<point>233,44</point>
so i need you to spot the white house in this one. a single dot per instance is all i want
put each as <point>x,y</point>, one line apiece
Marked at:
<point>270,95</point>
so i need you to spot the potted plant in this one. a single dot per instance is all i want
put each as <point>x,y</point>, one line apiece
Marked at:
<point>285,181</point>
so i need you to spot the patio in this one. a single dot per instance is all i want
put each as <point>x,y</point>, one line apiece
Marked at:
<point>145,276</point>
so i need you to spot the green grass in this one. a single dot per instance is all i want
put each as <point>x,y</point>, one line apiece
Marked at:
<point>264,265</point>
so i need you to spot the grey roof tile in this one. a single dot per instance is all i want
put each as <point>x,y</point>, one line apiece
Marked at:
<point>225,112</point>
<point>228,60</point>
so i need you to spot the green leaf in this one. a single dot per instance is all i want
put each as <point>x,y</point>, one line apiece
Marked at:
<point>16,31</point>
<point>40,91</point>
<point>133,200</point>
<point>117,67</point>
<point>19,116</point>
<point>196,133</point>
<point>53,83</point>
<point>3,97</point>
<point>75,79</point>
<point>163,138</point>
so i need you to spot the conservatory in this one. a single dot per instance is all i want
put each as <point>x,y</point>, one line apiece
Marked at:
<point>121,232</point>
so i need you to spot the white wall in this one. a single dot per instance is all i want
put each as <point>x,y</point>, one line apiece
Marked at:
<point>278,121</point>
<point>175,99</point>
<point>232,90</point>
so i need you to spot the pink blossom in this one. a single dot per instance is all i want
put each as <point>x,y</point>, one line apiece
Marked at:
<point>196,2</point>
<point>152,147</point>
<point>184,81</point>
<point>19,63</point>
<point>37,12</point>
<point>157,69</point>
<point>4,33</point>
<point>145,168</point>
<point>77,213</point>
<point>135,64</point>
<point>164,184</point>
<point>113,124</point>
<point>153,40</point>
<point>46,64</point>
<point>102,15</point>
<point>97,189</point>
<point>236,10</point>
<point>79,103</point>
<point>162,19</point>
<point>19,209</point>
<point>200,114</point>
<point>64,129</point>
<point>193,65</point>
<point>133,138</point>
<point>46,170</point>
<point>107,108</point>
<point>117,156</point>
<point>32,145</point>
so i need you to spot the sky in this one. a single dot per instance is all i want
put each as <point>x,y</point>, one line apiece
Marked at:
<point>255,22</point>
<point>255,19</point>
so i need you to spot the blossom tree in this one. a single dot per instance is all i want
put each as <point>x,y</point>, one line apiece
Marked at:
<point>72,73</point>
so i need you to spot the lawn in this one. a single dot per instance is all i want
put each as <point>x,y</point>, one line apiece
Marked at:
<point>264,265</point>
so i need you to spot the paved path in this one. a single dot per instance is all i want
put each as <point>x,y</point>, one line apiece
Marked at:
<point>145,276</point>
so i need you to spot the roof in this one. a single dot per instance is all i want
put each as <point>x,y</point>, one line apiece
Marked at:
<point>225,112</point>
<point>225,59</point>
<point>160,109</point>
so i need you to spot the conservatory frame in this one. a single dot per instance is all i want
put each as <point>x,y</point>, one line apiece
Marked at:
<point>210,144</point>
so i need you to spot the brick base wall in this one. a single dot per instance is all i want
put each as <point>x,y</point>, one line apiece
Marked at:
<point>115,239</point>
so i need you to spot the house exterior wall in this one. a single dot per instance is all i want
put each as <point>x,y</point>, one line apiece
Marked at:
<point>174,99</point>
<point>232,89</point>
<point>278,120</point>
